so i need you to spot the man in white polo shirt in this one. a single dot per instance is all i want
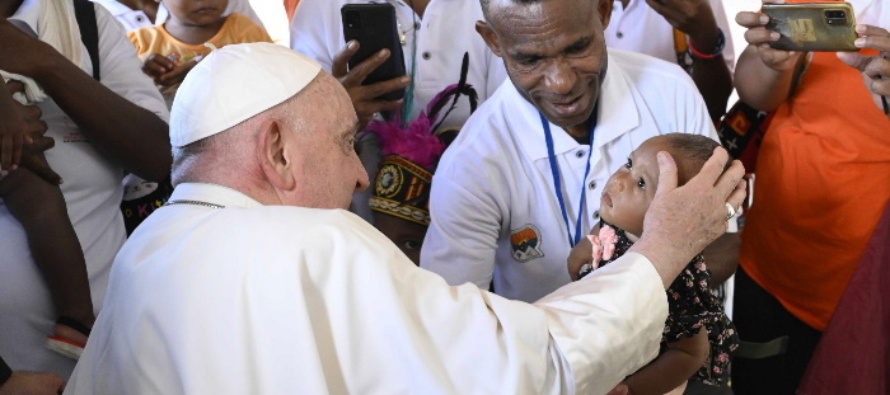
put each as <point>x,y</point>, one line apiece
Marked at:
<point>508,202</point>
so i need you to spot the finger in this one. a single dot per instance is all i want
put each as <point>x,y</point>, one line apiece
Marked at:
<point>878,73</point>
<point>737,197</point>
<point>667,173</point>
<point>759,36</point>
<point>729,180</point>
<point>873,31</point>
<point>373,91</point>
<point>6,153</point>
<point>854,60</point>
<point>36,128</point>
<point>18,143</point>
<point>42,169</point>
<point>15,86</point>
<point>712,170</point>
<point>42,144</point>
<point>751,20</point>
<point>341,59</point>
<point>358,73</point>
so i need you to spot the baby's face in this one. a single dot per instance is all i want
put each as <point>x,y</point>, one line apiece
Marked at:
<point>196,13</point>
<point>631,188</point>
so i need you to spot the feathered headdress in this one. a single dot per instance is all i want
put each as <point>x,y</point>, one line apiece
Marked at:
<point>410,153</point>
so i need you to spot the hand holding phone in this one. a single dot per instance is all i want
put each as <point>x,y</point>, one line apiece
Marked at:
<point>374,26</point>
<point>812,26</point>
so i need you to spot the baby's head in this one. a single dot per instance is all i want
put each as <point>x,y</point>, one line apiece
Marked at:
<point>631,188</point>
<point>196,13</point>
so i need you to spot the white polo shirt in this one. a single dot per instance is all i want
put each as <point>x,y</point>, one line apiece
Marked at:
<point>638,28</point>
<point>495,215</point>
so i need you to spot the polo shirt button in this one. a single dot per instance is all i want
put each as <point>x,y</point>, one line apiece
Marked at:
<point>579,154</point>
<point>596,214</point>
<point>426,56</point>
<point>619,35</point>
<point>592,185</point>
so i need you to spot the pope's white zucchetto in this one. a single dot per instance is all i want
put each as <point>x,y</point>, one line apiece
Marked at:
<point>232,84</point>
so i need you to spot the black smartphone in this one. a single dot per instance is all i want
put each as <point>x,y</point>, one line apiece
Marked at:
<point>374,26</point>
<point>812,26</point>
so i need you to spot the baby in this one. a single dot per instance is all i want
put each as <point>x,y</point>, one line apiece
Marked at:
<point>698,337</point>
<point>170,50</point>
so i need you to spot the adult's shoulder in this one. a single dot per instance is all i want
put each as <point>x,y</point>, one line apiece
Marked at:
<point>636,65</point>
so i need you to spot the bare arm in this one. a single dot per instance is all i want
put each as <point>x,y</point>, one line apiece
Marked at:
<point>875,69</point>
<point>722,257</point>
<point>673,367</point>
<point>711,76</point>
<point>764,76</point>
<point>124,132</point>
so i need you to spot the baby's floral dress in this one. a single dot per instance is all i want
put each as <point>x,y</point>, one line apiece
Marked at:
<point>691,305</point>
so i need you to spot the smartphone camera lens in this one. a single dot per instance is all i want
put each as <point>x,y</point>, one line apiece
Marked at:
<point>352,19</point>
<point>836,17</point>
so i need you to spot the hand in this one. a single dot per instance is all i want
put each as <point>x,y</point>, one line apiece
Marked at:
<point>364,97</point>
<point>178,73</point>
<point>579,255</point>
<point>682,221</point>
<point>693,17</point>
<point>156,65</point>
<point>875,69</point>
<point>14,128</point>
<point>32,154</point>
<point>759,38</point>
<point>30,383</point>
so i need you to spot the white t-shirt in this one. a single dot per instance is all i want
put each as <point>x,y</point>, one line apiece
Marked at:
<point>638,28</point>
<point>494,211</point>
<point>252,299</point>
<point>92,191</point>
<point>134,19</point>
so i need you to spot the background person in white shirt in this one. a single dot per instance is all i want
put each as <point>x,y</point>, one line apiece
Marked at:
<point>496,213</point>
<point>254,280</point>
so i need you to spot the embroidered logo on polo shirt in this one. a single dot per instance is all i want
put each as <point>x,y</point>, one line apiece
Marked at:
<point>526,243</point>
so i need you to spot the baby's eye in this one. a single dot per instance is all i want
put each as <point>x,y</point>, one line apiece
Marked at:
<point>411,245</point>
<point>629,164</point>
<point>641,183</point>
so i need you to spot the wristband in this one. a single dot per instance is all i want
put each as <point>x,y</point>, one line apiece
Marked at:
<point>721,43</point>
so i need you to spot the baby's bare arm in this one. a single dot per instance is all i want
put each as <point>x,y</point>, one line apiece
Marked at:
<point>672,368</point>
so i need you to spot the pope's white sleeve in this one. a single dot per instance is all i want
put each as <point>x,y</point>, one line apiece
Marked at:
<point>462,238</point>
<point>609,324</point>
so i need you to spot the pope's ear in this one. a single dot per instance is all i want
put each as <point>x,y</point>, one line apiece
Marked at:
<point>490,37</point>
<point>273,157</point>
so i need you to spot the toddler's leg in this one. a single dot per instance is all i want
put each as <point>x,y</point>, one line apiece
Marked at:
<point>40,207</point>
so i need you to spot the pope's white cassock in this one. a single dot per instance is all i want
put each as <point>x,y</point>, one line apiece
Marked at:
<point>253,299</point>
<point>223,295</point>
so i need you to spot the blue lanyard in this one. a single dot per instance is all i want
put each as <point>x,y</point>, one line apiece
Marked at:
<point>557,184</point>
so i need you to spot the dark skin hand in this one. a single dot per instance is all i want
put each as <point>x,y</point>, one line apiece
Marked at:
<point>13,133</point>
<point>711,76</point>
<point>142,148</point>
<point>31,383</point>
<point>167,71</point>
<point>27,119</point>
<point>364,97</point>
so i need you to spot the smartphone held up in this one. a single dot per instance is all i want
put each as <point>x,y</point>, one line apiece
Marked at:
<point>374,26</point>
<point>812,26</point>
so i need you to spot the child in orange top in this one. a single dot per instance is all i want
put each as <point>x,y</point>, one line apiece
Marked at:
<point>170,50</point>
<point>698,337</point>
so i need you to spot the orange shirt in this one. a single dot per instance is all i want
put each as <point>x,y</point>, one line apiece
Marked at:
<point>823,179</point>
<point>237,29</point>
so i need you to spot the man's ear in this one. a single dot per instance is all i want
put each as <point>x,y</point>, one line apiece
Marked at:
<point>276,166</point>
<point>605,10</point>
<point>490,37</point>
